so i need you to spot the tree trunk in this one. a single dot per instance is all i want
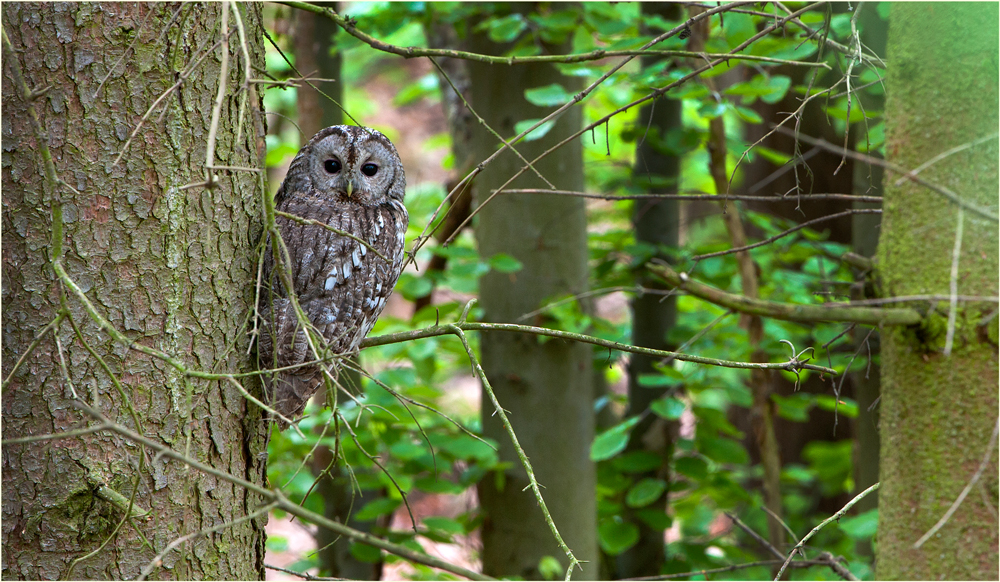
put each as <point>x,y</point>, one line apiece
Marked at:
<point>656,170</point>
<point>172,269</point>
<point>939,410</point>
<point>544,386</point>
<point>865,228</point>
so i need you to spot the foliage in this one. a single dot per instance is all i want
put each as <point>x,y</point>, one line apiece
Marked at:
<point>418,450</point>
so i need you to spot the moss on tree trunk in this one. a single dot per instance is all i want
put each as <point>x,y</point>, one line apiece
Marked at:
<point>938,411</point>
<point>171,268</point>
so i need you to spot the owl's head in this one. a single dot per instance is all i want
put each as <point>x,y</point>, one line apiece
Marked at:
<point>353,164</point>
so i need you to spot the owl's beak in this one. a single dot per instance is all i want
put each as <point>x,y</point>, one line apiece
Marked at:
<point>350,187</point>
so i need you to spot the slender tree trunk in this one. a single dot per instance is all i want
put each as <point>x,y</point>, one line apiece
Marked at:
<point>865,230</point>
<point>170,268</point>
<point>544,386</point>
<point>939,410</point>
<point>657,169</point>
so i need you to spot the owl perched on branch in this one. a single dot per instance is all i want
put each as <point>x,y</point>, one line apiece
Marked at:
<point>351,179</point>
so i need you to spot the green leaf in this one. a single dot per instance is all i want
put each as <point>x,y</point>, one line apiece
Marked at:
<point>412,286</point>
<point>655,381</point>
<point>433,485</point>
<point>637,462</point>
<point>537,133</point>
<point>504,263</point>
<point>723,450</point>
<point>861,526</point>
<point>554,27</point>
<point>407,450</point>
<point>714,398</point>
<point>278,154</point>
<point>769,89</point>
<point>774,156</point>
<point>845,405</point>
<point>693,467</point>
<point>550,568</point>
<point>548,96</point>
<point>795,407</point>
<point>645,492</point>
<point>832,464</point>
<point>377,507</point>
<point>444,525</point>
<point>654,518</point>
<point>365,553</point>
<point>617,536</point>
<point>668,407</point>
<point>612,441</point>
<point>748,115</point>
<point>506,29</point>
<point>737,28</point>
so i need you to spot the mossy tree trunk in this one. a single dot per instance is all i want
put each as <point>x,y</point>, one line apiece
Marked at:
<point>939,410</point>
<point>545,386</point>
<point>171,268</point>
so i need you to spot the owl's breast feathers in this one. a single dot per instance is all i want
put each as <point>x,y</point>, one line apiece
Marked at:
<point>341,284</point>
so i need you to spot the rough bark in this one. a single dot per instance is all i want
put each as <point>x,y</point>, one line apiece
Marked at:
<point>171,269</point>
<point>544,385</point>
<point>938,410</point>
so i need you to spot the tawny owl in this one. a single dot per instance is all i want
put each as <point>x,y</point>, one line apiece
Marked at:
<point>350,178</point>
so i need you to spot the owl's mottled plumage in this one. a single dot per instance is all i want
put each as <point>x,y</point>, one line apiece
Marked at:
<point>351,179</point>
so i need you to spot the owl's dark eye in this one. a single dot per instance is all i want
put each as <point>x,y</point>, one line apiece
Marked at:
<point>331,166</point>
<point>369,169</point>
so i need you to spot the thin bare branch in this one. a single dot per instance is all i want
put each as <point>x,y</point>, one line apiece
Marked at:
<point>283,502</point>
<point>712,197</point>
<point>908,174</point>
<point>965,491</point>
<point>785,233</point>
<point>824,523</point>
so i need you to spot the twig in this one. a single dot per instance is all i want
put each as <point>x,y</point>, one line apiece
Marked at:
<point>713,197</point>
<point>57,435</point>
<point>950,195</point>
<point>953,285</point>
<point>942,156</point>
<point>824,523</point>
<point>283,502</point>
<point>412,52</point>
<point>760,540</point>
<point>662,90</point>
<point>303,575</point>
<point>734,567</point>
<point>787,311</point>
<point>220,96</point>
<point>785,233</point>
<point>158,559</point>
<point>447,329</point>
<point>301,220</point>
<point>573,562</point>
<point>968,487</point>
<point>31,348</point>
